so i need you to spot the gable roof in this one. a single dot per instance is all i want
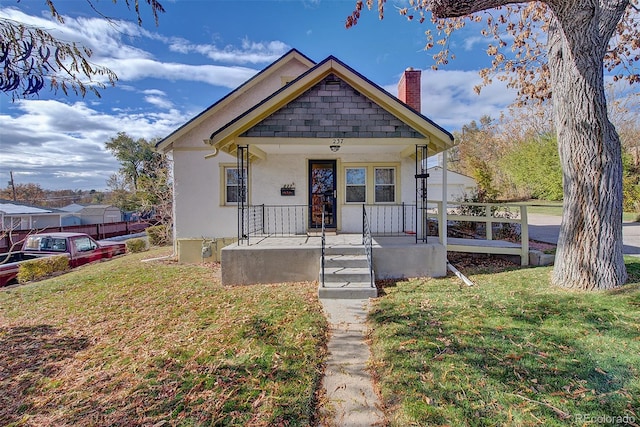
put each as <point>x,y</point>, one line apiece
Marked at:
<point>435,136</point>
<point>73,207</point>
<point>97,209</point>
<point>9,207</point>
<point>293,54</point>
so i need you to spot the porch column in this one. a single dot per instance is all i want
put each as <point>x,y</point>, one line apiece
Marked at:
<point>443,216</point>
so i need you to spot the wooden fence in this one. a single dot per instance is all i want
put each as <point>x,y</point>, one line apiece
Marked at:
<point>97,231</point>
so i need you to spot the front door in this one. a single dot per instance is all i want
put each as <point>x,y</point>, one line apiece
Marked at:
<point>322,193</point>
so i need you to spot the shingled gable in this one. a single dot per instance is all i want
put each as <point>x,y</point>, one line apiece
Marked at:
<point>165,144</point>
<point>313,104</point>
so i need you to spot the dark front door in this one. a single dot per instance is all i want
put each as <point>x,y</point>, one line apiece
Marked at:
<point>322,193</point>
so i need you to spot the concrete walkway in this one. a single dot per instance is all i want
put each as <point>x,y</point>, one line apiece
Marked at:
<point>350,396</point>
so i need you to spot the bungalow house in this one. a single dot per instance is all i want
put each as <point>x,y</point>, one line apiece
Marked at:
<point>313,151</point>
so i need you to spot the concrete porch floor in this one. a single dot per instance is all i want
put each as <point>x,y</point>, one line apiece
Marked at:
<point>298,258</point>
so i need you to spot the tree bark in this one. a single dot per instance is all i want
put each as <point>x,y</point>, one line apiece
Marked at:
<point>589,254</point>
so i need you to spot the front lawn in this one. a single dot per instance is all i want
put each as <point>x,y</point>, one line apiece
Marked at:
<point>511,351</point>
<point>131,343</point>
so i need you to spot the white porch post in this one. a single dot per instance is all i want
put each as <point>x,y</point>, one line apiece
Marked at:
<point>443,215</point>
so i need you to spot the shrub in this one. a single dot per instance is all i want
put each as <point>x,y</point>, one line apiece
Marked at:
<point>158,235</point>
<point>534,165</point>
<point>136,245</point>
<point>42,267</point>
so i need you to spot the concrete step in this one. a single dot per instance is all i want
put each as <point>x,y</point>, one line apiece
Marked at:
<point>347,292</point>
<point>344,250</point>
<point>346,261</point>
<point>346,275</point>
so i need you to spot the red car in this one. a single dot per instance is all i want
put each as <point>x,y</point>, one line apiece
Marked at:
<point>79,247</point>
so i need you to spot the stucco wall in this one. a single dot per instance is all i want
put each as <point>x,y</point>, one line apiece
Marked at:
<point>197,202</point>
<point>198,211</point>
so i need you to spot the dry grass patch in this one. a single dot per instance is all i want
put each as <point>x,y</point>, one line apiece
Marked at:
<point>132,343</point>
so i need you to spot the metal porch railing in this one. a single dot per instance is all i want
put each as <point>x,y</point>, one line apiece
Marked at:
<point>367,241</point>
<point>323,247</point>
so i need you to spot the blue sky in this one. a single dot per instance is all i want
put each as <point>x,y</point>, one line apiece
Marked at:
<point>199,52</point>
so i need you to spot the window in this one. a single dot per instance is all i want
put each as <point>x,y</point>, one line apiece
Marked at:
<point>370,183</point>
<point>356,179</point>
<point>84,244</point>
<point>38,243</point>
<point>385,185</point>
<point>233,182</point>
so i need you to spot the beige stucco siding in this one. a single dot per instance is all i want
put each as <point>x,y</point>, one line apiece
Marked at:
<point>197,197</point>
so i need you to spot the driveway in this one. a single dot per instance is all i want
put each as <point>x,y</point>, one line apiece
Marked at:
<point>545,228</point>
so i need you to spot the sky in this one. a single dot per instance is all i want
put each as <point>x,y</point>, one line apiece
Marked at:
<point>199,52</point>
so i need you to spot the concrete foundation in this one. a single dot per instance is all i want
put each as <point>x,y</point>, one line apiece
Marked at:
<point>190,250</point>
<point>248,265</point>
<point>397,258</point>
<point>295,259</point>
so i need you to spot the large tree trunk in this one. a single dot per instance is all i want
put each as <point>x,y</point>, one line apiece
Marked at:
<point>589,255</point>
<point>589,252</point>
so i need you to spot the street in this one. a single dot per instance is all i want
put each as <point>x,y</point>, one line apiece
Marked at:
<point>545,228</point>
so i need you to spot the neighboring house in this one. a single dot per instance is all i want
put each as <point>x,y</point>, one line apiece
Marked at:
<point>301,138</point>
<point>99,214</point>
<point>458,185</point>
<point>73,208</point>
<point>20,216</point>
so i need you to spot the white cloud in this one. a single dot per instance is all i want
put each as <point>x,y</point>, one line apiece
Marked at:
<point>470,43</point>
<point>156,92</point>
<point>133,69</point>
<point>109,42</point>
<point>49,141</point>
<point>448,97</point>
<point>249,53</point>
<point>159,101</point>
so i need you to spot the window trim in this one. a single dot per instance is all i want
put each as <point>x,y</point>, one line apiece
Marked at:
<point>370,181</point>
<point>223,184</point>
<point>394,184</point>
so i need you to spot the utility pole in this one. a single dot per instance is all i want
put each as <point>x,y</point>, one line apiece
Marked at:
<point>13,186</point>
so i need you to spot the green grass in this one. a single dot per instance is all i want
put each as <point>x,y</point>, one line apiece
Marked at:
<point>511,351</point>
<point>131,343</point>
<point>543,207</point>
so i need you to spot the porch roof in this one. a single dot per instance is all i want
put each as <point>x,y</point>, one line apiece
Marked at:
<point>423,130</point>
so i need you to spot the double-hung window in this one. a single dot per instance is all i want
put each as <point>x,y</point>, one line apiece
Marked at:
<point>371,183</point>
<point>385,185</point>
<point>356,191</point>
<point>235,185</point>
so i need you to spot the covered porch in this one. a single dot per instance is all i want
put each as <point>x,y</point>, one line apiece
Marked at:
<point>399,240</point>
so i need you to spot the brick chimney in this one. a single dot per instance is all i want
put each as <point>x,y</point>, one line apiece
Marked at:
<point>409,88</point>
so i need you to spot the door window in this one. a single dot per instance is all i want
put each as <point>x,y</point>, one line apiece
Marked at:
<point>322,185</point>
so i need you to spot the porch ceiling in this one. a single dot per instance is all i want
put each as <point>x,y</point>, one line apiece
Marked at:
<point>321,145</point>
<point>324,149</point>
